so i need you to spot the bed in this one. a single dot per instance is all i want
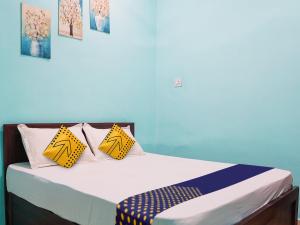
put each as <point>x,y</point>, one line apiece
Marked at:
<point>268,199</point>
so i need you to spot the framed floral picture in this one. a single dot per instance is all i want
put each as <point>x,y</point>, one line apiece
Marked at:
<point>100,15</point>
<point>36,32</point>
<point>70,18</point>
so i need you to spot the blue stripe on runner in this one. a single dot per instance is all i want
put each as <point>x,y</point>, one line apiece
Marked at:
<point>224,178</point>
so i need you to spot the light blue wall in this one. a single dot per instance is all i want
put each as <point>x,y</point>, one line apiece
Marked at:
<point>240,100</point>
<point>102,78</point>
<point>238,61</point>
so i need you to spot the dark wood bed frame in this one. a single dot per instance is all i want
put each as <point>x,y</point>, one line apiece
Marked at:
<point>281,211</point>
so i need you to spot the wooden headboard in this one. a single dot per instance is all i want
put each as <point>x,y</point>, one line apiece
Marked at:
<point>13,150</point>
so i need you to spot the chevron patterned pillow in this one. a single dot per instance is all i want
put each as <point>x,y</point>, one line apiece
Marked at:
<point>116,143</point>
<point>65,148</point>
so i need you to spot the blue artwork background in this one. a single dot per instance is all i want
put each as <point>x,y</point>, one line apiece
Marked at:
<point>105,25</point>
<point>44,47</point>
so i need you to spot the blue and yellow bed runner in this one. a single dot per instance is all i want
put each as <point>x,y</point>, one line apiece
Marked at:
<point>142,208</point>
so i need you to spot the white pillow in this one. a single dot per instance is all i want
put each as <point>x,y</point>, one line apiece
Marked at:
<point>36,140</point>
<point>96,136</point>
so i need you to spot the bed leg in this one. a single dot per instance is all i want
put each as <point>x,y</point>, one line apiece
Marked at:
<point>9,211</point>
<point>295,208</point>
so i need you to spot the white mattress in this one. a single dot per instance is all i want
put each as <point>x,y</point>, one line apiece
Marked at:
<point>87,194</point>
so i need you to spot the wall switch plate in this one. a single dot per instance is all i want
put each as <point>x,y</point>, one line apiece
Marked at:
<point>178,83</point>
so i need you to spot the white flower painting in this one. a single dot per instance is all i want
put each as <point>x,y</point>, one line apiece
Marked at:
<point>100,15</point>
<point>70,18</point>
<point>36,32</point>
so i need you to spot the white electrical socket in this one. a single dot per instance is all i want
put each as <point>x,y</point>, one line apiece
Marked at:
<point>178,83</point>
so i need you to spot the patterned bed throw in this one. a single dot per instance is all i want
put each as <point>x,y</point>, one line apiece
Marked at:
<point>141,209</point>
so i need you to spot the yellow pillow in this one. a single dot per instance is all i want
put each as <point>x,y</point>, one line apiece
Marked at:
<point>116,143</point>
<point>65,148</point>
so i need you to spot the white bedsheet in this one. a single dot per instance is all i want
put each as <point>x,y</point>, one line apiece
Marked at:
<point>87,194</point>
